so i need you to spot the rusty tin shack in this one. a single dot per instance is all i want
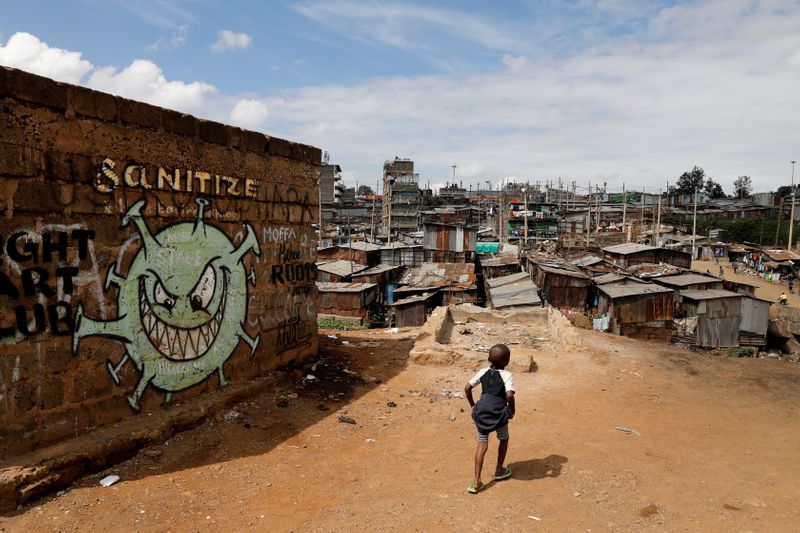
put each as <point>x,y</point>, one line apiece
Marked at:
<point>457,281</point>
<point>498,266</point>
<point>414,311</point>
<point>630,254</point>
<point>349,302</point>
<point>712,318</point>
<point>384,276</point>
<point>641,310</point>
<point>689,282</point>
<point>560,287</point>
<point>755,319</point>
<point>364,253</point>
<point>451,243</point>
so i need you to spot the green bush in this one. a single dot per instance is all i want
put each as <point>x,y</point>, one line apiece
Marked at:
<point>742,351</point>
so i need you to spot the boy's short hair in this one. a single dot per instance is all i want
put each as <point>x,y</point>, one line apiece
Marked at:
<point>499,355</point>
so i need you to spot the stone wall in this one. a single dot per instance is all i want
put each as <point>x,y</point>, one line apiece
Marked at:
<point>146,257</point>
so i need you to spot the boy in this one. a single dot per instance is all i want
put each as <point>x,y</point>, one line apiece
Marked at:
<point>492,412</point>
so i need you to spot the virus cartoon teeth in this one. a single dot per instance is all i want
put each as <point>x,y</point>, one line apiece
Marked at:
<point>181,307</point>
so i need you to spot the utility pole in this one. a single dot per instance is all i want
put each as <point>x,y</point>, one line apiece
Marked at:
<point>694,224</point>
<point>525,192</point>
<point>658,222</point>
<point>589,213</point>
<point>597,212</point>
<point>791,217</point>
<point>624,209</point>
<point>573,196</point>
<point>637,237</point>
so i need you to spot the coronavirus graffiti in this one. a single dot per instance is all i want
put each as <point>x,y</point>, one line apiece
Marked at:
<point>182,305</point>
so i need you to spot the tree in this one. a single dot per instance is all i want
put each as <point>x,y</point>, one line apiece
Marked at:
<point>742,186</point>
<point>713,189</point>
<point>783,190</point>
<point>364,190</point>
<point>689,181</point>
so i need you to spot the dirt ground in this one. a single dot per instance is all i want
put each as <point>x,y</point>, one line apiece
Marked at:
<point>767,290</point>
<point>712,446</point>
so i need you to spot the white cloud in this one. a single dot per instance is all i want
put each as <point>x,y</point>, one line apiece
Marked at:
<point>25,51</point>
<point>176,40</point>
<point>250,114</point>
<point>143,80</point>
<point>427,31</point>
<point>229,40</point>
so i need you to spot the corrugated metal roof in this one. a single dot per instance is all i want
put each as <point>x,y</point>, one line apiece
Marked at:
<point>516,294</point>
<point>781,255</point>
<point>628,248</point>
<point>328,286</point>
<point>361,246</point>
<point>682,280</point>
<point>709,294</point>
<point>413,299</point>
<point>562,271</point>
<point>402,290</point>
<point>504,280</point>
<point>377,269</point>
<point>399,245</point>
<point>613,277</point>
<point>635,289</point>
<point>340,267</point>
<point>587,261</point>
<point>441,275</point>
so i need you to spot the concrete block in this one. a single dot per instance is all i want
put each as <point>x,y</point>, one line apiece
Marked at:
<point>179,123</point>
<point>32,88</point>
<point>140,114</point>
<point>92,104</point>
<point>212,132</point>
<point>20,161</point>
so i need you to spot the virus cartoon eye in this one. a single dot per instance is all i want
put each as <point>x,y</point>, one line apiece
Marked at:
<point>162,297</point>
<point>204,290</point>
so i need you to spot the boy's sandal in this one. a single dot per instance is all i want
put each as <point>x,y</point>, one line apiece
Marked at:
<point>472,489</point>
<point>504,475</point>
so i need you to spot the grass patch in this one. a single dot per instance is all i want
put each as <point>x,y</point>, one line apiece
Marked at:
<point>742,351</point>
<point>332,323</point>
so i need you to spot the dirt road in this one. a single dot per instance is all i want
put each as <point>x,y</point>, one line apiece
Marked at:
<point>714,448</point>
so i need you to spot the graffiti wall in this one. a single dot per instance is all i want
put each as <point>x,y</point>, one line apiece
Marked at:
<point>146,257</point>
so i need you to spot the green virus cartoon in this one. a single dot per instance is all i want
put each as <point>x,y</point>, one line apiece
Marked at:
<point>181,307</point>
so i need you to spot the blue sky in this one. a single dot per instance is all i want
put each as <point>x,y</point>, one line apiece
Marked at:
<point>605,90</point>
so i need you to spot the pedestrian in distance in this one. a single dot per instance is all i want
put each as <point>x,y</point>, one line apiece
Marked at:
<point>491,413</point>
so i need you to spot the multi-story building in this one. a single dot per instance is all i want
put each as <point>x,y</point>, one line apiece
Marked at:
<point>330,182</point>
<point>401,196</point>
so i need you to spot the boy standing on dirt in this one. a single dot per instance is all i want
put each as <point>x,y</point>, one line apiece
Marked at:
<point>492,412</point>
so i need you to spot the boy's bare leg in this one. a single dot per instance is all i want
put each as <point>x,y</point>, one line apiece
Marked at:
<point>501,457</point>
<point>479,454</point>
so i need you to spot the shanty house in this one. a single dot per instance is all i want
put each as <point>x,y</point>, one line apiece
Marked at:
<point>689,282</point>
<point>384,276</point>
<point>450,243</point>
<point>630,254</point>
<point>560,287</point>
<point>711,318</point>
<point>364,253</point>
<point>349,302</point>
<point>414,310</point>
<point>456,280</point>
<point>616,279</point>
<point>338,270</point>
<point>402,254</point>
<point>641,310</point>
<point>498,266</point>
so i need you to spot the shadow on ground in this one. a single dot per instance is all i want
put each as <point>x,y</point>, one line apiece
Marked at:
<point>347,367</point>
<point>531,469</point>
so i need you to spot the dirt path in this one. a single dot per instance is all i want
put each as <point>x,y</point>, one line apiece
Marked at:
<point>766,290</point>
<point>714,449</point>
